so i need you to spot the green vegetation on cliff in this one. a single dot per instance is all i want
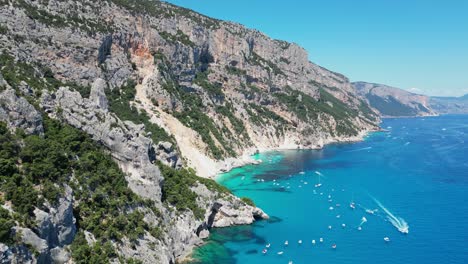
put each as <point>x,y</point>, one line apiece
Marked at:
<point>308,109</point>
<point>36,76</point>
<point>193,114</point>
<point>177,189</point>
<point>178,37</point>
<point>390,106</point>
<point>119,103</point>
<point>34,169</point>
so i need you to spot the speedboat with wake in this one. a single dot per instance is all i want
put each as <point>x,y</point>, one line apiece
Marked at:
<point>404,229</point>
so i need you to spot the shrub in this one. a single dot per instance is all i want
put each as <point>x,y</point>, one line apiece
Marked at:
<point>248,201</point>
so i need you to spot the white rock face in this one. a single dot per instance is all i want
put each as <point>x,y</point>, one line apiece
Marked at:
<point>228,215</point>
<point>18,113</point>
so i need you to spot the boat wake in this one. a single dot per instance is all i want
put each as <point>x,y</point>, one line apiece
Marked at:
<point>396,221</point>
<point>361,149</point>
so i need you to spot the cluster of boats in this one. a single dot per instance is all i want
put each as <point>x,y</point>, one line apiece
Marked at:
<point>352,206</point>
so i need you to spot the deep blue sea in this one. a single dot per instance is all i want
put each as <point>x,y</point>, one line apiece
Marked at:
<point>416,174</point>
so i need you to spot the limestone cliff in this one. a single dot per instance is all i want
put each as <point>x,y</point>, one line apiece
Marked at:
<point>161,89</point>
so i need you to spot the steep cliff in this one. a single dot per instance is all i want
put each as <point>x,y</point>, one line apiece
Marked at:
<point>161,89</point>
<point>394,102</point>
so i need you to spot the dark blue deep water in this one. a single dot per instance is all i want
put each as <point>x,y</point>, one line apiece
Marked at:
<point>418,172</point>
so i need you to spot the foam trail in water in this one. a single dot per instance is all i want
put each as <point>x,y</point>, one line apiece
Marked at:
<point>397,222</point>
<point>361,149</point>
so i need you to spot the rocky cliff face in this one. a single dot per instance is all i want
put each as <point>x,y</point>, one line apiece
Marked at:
<point>394,102</point>
<point>160,88</point>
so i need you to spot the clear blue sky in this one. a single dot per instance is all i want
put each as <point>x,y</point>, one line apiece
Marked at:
<point>418,45</point>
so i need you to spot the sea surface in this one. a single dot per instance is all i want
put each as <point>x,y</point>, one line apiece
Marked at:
<point>415,175</point>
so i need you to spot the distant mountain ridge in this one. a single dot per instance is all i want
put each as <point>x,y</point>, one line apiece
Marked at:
<point>450,105</point>
<point>395,102</point>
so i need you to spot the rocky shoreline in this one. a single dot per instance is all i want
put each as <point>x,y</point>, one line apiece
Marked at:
<point>246,159</point>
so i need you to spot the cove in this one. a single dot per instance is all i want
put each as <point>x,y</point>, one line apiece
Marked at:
<point>414,174</point>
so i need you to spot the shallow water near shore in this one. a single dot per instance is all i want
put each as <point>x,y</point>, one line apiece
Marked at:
<point>417,173</point>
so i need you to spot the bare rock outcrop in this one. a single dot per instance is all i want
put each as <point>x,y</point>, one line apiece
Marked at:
<point>17,112</point>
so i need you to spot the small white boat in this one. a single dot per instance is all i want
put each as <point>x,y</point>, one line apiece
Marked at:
<point>264,251</point>
<point>359,228</point>
<point>302,172</point>
<point>268,245</point>
<point>338,216</point>
<point>313,241</point>
<point>300,241</point>
<point>404,229</point>
<point>321,240</point>
<point>318,185</point>
<point>386,239</point>
<point>352,205</point>
<point>290,262</point>
<point>330,227</point>
<point>334,246</point>
<point>331,208</point>
<point>286,243</point>
<point>280,253</point>
<point>343,225</point>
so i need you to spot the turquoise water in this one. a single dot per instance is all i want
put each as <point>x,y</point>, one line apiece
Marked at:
<point>418,171</point>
